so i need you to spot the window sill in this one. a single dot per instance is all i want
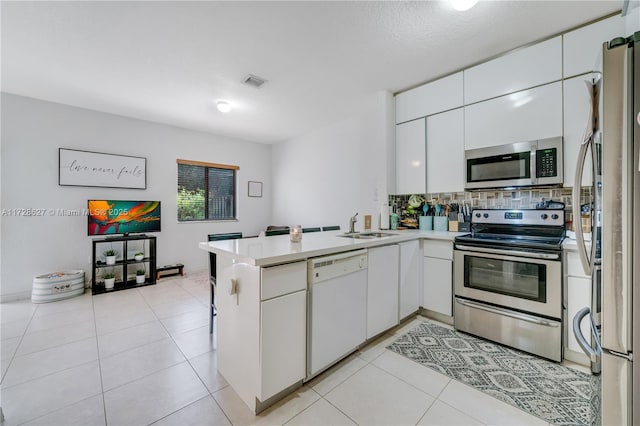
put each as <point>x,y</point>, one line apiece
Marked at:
<point>206,221</point>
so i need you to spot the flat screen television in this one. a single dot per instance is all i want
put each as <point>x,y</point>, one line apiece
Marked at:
<point>111,217</point>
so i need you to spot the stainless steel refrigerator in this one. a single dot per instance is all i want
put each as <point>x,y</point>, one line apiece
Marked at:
<point>613,139</point>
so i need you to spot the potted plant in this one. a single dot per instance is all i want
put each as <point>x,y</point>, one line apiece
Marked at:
<point>138,256</point>
<point>110,256</point>
<point>140,276</point>
<point>109,280</point>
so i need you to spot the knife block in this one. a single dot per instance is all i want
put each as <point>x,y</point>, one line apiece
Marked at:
<point>464,226</point>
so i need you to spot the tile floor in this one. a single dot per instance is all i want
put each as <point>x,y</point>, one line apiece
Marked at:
<point>144,356</point>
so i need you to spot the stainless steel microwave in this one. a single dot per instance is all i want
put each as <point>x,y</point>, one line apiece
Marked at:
<point>516,165</point>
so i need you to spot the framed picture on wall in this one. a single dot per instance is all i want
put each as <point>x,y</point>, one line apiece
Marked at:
<point>255,189</point>
<point>87,168</point>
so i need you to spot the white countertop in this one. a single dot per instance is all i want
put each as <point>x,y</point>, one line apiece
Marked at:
<point>263,251</point>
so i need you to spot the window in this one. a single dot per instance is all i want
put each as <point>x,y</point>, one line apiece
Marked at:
<point>206,191</point>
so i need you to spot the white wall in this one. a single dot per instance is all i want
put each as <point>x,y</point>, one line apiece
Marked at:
<point>32,132</point>
<point>632,20</point>
<point>325,176</point>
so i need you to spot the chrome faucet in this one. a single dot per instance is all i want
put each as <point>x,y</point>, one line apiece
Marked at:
<point>352,223</point>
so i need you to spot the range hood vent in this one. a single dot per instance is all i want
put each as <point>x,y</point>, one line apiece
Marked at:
<point>254,81</point>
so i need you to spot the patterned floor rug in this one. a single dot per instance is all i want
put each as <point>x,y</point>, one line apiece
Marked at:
<point>557,394</point>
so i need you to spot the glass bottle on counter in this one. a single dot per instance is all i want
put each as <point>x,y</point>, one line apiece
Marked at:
<point>295,233</point>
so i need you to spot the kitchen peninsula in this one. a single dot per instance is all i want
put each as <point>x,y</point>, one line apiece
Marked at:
<point>262,302</point>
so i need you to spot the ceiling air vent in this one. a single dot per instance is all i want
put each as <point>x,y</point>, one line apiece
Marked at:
<point>253,80</point>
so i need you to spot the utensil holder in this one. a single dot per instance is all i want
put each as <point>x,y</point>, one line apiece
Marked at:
<point>440,223</point>
<point>453,225</point>
<point>395,220</point>
<point>425,223</point>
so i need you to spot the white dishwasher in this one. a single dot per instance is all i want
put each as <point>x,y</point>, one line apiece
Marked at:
<point>337,308</point>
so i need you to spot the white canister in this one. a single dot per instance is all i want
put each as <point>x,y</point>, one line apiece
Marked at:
<point>384,216</point>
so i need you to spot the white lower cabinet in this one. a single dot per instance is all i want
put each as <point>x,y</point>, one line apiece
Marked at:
<point>283,324</point>
<point>283,329</point>
<point>382,289</point>
<point>578,296</point>
<point>410,274</point>
<point>438,277</point>
<point>261,328</point>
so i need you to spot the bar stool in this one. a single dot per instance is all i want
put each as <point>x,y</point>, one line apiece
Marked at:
<point>212,270</point>
<point>315,229</point>
<point>276,230</point>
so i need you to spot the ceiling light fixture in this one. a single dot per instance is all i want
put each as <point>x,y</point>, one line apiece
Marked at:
<point>462,5</point>
<point>223,106</point>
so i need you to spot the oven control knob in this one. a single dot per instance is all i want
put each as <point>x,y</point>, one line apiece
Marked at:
<point>486,215</point>
<point>478,215</point>
<point>554,216</point>
<point>544,216</point>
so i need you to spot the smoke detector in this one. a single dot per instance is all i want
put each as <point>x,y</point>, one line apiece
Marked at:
<point>253,80</point>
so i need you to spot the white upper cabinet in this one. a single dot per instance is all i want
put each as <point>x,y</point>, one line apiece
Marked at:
<point>576,114</point>
<point>582,48</point>
<point>410,157</point>
<point>445,151</point>
<point>522,69</point>
<point>632,21</point>
<point>430,98</point>
<point>522,116</point>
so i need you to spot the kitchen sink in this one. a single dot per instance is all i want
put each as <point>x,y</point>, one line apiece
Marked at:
<point>367,235</point>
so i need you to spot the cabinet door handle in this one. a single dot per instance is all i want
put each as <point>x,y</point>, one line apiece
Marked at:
<point>233,287</point>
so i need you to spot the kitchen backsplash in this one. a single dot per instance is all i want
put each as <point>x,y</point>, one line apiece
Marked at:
<point>520,199</point>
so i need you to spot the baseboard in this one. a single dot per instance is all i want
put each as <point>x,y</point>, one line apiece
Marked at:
<point>436,316</point>
<point>12,297</point>
<point>577,357</point>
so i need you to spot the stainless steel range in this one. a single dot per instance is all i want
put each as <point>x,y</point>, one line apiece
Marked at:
<point>508,279</point>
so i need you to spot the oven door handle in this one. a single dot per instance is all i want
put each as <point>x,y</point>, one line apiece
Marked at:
<point>508,313</point>
<point>546,256</point>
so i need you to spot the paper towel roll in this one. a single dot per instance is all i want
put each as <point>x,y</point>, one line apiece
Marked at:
<point>384,216</point>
